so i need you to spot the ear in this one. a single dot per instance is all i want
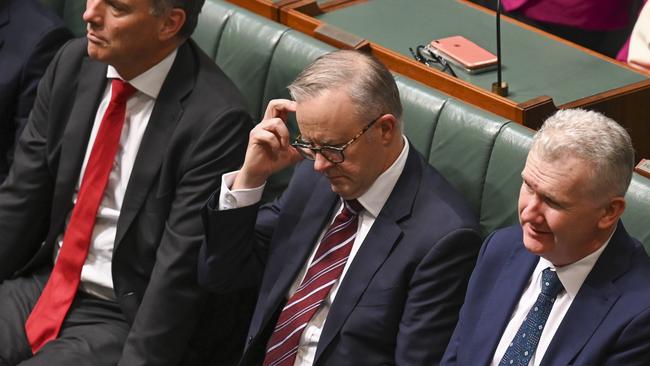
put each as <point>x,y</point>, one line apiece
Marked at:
<point>612,213</point>
<point>389,127</point>
<point>172,23</point>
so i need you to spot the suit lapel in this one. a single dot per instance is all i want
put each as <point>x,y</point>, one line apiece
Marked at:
<point>298,247</point>
<point>501,303</point>
<point>593,302</point>
<point>91,84</point>
<point>164,117</point>
<point>377,246</point>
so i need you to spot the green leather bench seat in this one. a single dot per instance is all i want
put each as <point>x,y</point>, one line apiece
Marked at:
<point>71,12</point>
<point>481,154</point>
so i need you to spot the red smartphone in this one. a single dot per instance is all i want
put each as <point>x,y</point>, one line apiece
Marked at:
<point>464,53</point>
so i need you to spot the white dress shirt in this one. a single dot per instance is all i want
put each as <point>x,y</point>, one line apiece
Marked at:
<point>572,277</point>
<point>372,200</point>
<point>96,276</point>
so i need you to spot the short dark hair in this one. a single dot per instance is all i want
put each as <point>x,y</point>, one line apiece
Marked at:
<point>192,9</point>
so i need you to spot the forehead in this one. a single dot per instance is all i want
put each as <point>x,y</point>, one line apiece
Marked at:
<point>327,117</point>
<point>562,177</point>
<point>139,5</point>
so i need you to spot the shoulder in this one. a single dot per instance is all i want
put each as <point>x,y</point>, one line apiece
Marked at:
<point>213,88</point>
<point>627,252</point>
<point>33,19</point>
<point>500,245</point>
<point>68,60</point>
<point>438,200</point>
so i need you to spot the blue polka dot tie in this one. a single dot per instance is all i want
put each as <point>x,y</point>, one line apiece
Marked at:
<point>523,346</point>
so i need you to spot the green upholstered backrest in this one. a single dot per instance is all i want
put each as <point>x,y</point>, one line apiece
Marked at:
<point>422,106</point>
<point>637,213</point>
<point>461,147</point>
<point>503,177</point>
<point>212,20</point>
<point>244,53</point>
<point>292,54</point>
<point>71,11</point>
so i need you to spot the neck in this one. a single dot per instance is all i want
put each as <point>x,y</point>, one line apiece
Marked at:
<point>128,70</point>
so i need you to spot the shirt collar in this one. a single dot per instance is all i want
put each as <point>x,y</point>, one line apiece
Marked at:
<point>375,197</point>
<point>149,82</point>
<point>573,275</point>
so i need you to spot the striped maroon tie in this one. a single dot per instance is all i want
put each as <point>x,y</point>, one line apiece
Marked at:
<point>45,320</point>
<point>323,272</point>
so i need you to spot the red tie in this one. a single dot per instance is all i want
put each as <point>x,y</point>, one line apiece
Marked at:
<point>46,318</point>
<point>323,272</point>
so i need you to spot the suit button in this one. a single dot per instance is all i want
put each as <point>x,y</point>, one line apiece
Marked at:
<point>127,294</point>
<point>250,339</point>
<point>230,200</point>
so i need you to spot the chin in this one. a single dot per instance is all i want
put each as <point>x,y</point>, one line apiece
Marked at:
<point>537,247</point>
<point>94,52</point>
<point>346,194</point>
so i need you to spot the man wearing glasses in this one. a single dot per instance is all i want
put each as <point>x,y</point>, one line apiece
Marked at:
<point>365,257</point>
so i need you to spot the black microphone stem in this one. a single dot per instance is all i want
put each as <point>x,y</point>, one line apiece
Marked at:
<point>499,42</point>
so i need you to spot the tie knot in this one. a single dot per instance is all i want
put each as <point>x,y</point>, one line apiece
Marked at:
<point>551,285</point>
<point>121,91</point>
<point>354,206</point>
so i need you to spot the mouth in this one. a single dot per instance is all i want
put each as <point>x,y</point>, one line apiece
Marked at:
<point>536,232</point>
<point>95,39</point>
<point>335,178</point>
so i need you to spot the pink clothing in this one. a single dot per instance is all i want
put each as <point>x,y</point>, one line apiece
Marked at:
<point>593,15</point>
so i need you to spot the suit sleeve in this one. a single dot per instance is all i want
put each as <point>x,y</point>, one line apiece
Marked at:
<point>160,333</point>
<point>633,346</point>
<point>236,249</point>
<point>35,66</point>
<point>435,296</point>
<point>26,195</point>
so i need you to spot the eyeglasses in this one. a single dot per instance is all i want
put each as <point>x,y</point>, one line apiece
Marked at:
<point>424,55</point>
<point>334,154</point>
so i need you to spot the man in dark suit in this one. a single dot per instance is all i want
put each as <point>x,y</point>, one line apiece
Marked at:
<point>364,258</point>
<point>568,286</point>
<point>30,35</point>
<point>131,297</point>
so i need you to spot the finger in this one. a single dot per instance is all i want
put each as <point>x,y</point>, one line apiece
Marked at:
<point>279,108</point>
<point>295,156</point>
<point>266,139</point>
<point>278,127</point>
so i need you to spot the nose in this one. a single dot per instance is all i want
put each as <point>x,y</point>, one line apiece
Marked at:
<point>92,14</point>
<point>321,164</point>
<point>532,210</point>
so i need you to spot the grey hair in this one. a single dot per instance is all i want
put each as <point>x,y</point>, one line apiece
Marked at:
<point>594,138</point>
<point>192,9</point>
<point>366,81</point>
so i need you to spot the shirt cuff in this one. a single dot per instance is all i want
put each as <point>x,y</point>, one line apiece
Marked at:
<point>238,198</point>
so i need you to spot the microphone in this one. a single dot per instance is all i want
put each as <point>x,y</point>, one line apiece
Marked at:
<point>499,87</point>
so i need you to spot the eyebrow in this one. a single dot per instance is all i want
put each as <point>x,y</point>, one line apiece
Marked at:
<point>321,144</point>
<point>545,196</point>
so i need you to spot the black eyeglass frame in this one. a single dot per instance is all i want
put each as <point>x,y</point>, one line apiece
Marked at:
<point>330,151</point>
<point>424,55</point>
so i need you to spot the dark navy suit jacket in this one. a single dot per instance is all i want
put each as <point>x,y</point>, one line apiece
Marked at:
<point>608,322</point>
<point>399,300</point>
<point>30,35</point>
